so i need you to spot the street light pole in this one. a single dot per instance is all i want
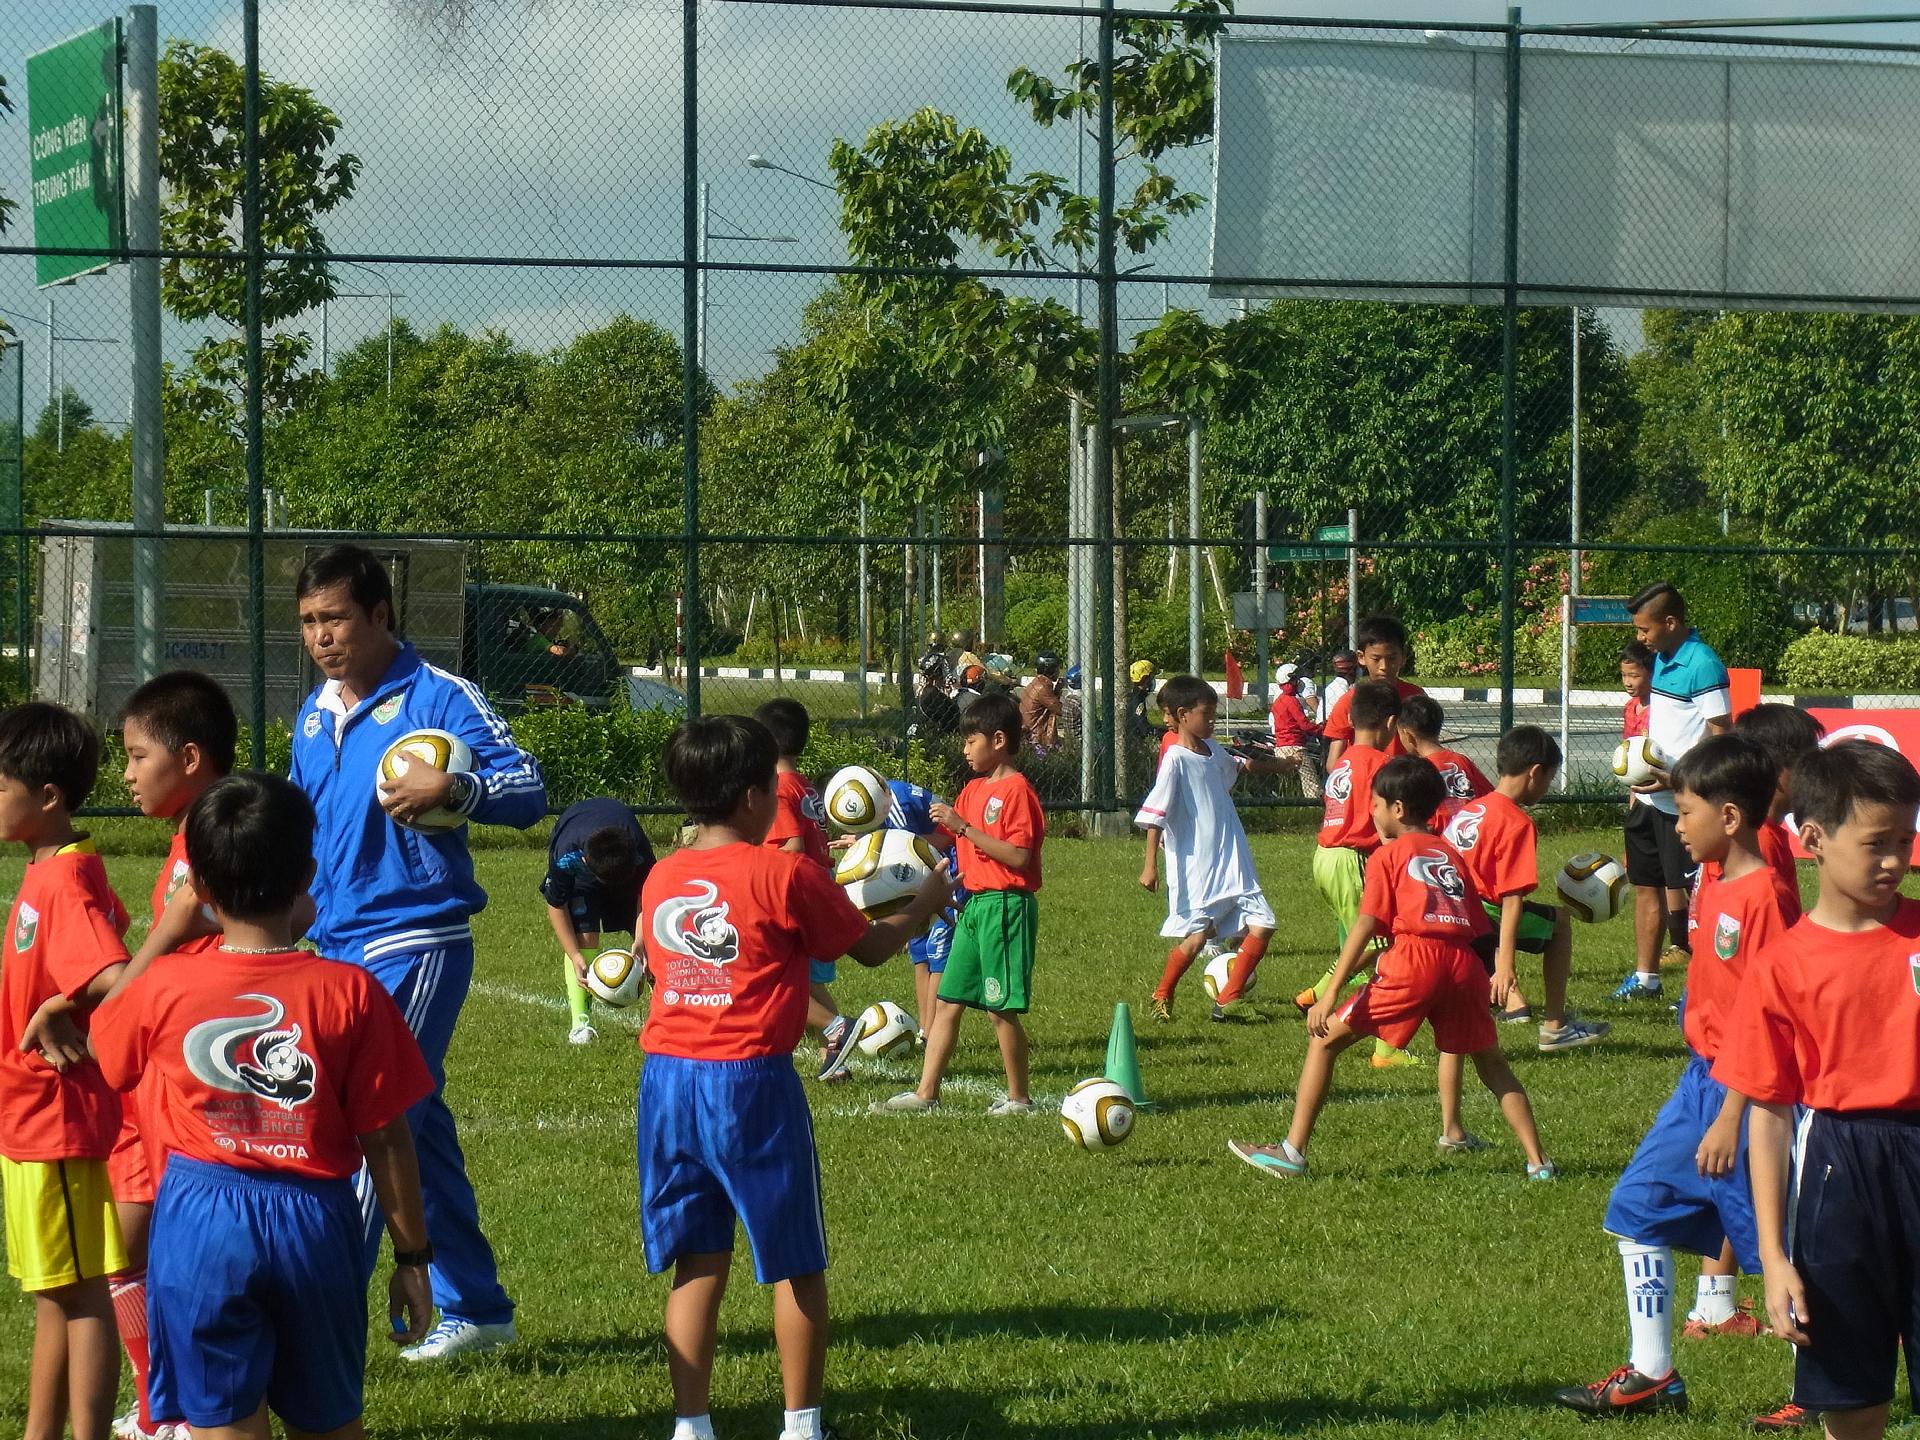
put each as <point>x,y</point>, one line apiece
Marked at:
<point>386,290</point>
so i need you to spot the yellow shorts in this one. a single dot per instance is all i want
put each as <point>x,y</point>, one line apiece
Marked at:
<point>61,1226</point>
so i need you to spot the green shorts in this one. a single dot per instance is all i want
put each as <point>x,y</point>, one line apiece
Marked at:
<point>1340,874</point>
<point>1537,924</point>
<point>990,966</point>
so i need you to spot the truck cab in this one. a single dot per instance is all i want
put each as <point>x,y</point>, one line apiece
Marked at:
<point>529,647</point>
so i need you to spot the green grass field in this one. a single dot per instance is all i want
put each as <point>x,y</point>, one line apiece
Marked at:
<point>990,1280</point>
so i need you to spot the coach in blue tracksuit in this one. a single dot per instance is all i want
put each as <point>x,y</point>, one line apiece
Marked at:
<point>398,901</point>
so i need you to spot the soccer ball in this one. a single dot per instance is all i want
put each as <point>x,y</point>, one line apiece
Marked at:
<point>616,977</point>
<point>883,870</point>
<point>437,748</point>
<point>1636,758</point>
<point>858,800</point>
<point>1097,1114</point>
<point>1214,978</point>
<point>1593,885</point>
<point>885,1029</point>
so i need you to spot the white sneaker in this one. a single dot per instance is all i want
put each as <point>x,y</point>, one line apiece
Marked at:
<point>1011,1106</point>
<point>453,1337</point>
<point>581,1034</point>
<point>127,1427</point>
<point>907,1102</point>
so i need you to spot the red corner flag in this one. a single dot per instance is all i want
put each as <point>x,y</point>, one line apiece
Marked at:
<point>1236,681</point>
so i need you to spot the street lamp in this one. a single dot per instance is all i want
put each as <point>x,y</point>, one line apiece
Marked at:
<point>386,290</point>
<point>760,162</point>
<point>707,232</point>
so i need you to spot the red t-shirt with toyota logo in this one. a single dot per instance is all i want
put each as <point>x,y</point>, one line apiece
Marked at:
<point>1460,775</point>
<point>1418,885</point>
<point>274,1063</point>
<point>728,934</point>
<point>1347,796</point>
<point>800,812</point>
<point>1498,845</point>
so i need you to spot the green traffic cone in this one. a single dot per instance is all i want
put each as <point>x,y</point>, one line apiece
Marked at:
<point>1123,1063</point>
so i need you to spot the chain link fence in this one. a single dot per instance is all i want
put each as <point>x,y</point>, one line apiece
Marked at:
<point>679,356</point>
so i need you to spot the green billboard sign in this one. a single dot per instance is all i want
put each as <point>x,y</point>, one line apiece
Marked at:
<point>73,119</point>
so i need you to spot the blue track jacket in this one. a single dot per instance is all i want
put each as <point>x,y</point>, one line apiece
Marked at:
<point>383,891</point>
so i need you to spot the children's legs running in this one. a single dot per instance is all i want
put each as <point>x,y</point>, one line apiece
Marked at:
<point>1716,1297</point>
<point>1647,1271</point>
<point>1649,924</point>
<point>1678,931</point>
<point>1178,960</point>
<point>1499,1078</point>
<point>800,1333</point>
<point>942,1035</point>
<point>47,1381</point>
<point>1557,967</point>
<point>577,1006</point>
<point>926,986</point>
<point>1867,1424</point>
<point>821,1009</point>
<point>1451,1076</point>
<point>1316,1081</point>
<point>86,1354</point>
<point>1012,1036</point>
<point>128,1290</point>
<point>1245,961</point>
<point>692,1322</point>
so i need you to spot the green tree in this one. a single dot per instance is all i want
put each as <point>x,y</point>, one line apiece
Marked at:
<point>1680,420</point>
<point>302,179</point>
<point>74,468</point>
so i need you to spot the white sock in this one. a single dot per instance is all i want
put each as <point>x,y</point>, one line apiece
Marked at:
<point>834,1027</point>
<point>1299,1157</point>
<point>1649,1275</point>
<point>693,1427</point>
<point>1713,1299</point>
<point>1649,978</point>
<point>802,1425</point>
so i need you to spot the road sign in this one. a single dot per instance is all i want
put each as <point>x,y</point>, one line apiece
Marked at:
<point>1250,614</point>
<point>1333,532</point>
<point>73,122</point>
<point>1299,554</point>
<point>1601,610</point>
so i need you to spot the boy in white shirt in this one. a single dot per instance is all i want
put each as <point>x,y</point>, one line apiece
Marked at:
<point>1212,891</point>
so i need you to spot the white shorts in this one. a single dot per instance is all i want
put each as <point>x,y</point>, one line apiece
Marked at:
<point>1234,915</point>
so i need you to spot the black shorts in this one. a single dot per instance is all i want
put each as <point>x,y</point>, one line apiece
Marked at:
<point>1655,855</point>
<point>1854,1221</point>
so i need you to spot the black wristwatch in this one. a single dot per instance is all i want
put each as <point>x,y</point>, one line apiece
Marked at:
<point>461,795</point>
<point>422,1256</point>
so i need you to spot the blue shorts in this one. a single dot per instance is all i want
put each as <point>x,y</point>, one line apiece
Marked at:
<point>1854,1219</point>
<point>822,972</point>
<point>1663,1199</point>
<point>727,1140</point>
<point>255,1291</point>
<point>931,948</point>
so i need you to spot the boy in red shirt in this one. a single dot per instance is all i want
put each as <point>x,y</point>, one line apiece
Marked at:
<point>1347,836</point>
<point>57,1129</point>
<point>1636,679</point>
<point>998,829</point>
<point>1496,837</point>
<point>1788,734</point>
<point>1417,892</point>
<point>800,828</point>
<point>723,1129</point>
<point>1829,1018</point>
<point>1686,1187</point>
<point>1417,728</point>
<point>270,1074</point>
<point>1382,647</point>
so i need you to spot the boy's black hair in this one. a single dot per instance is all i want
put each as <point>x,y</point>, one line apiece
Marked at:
<point>1414,785</point>
<point>250,841</point>
<point>1785,732</point>
<point>1727,768</point>
<point>790,724</point>
<point>354,566</point>
<point>993,713</point>
<point>714,760</point>
<point>42,744</point>
<point>1380,630</point>
<point>1183,692</point>
<point>1423,715</point>
<point>185,707</point>
<point>1523,747</point>
<point>1664,595</point>
<point>612,857</point>
<point>1830,784</point>
<point>1634,653</point>
<point>1375,703</point>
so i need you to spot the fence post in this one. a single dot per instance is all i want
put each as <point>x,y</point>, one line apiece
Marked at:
<point>1105,411</point>
<point>255,438</point>
<point>1509,345</point>
<point>22,631</point>
<point>691,378</point>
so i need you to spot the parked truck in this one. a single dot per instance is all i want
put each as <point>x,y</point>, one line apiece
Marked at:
<point>522,644</point>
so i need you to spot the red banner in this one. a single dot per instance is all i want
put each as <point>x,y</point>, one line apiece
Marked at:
<point>1899,729</point>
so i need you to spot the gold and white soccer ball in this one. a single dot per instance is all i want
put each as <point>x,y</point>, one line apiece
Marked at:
<point>439,749</point>
<point>1097,1114</point>
<point>1219,969</point>
<point>885,1029</point>
<point>616,977</point>
<point>883,870</point>
<point>858,800</point>
<point>1636,758</point>
<point>1593,885</point>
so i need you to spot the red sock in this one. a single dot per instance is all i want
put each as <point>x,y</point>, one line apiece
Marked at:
<point>129,1290</point>
<point>1178,962</point>
<point>1252,948</point>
